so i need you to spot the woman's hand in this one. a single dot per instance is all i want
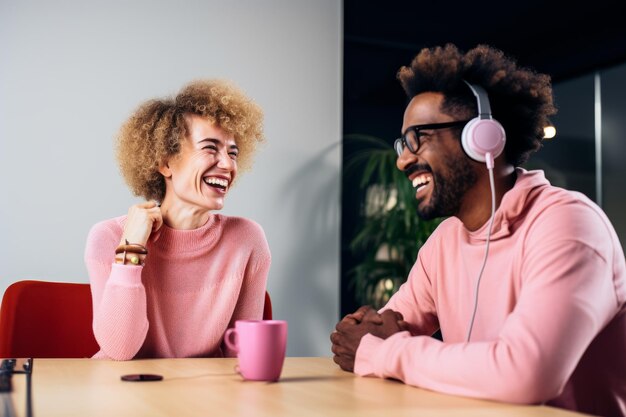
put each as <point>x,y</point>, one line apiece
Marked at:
<point>143,219</point>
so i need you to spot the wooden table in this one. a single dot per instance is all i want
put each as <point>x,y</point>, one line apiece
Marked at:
<point>210,387</point>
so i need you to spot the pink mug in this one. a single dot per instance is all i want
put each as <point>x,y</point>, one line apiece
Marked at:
<point>260,346</point>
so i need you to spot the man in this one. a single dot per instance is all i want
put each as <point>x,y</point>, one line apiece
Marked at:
<point>530,300</point>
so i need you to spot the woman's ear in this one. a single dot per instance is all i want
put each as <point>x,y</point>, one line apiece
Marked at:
<point>165,170</point>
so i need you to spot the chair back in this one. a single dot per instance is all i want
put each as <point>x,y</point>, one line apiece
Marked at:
<point>42,319</point>
<point>267,307</point>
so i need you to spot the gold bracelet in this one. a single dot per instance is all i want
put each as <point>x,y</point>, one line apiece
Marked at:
<point>134,248</point>
<point>134,259</point>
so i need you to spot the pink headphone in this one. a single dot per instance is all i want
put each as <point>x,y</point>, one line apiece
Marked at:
<point>483,137</point>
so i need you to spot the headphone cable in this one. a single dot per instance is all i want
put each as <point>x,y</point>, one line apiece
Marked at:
<point>482,268</point>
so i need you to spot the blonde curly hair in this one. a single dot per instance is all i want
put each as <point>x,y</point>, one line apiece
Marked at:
<point>154,132</point>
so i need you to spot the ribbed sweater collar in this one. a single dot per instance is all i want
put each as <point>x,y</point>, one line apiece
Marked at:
<point>202,238</point>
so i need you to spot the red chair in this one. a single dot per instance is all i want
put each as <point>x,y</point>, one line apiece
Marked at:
<point>40,319</point>
<point>267,307</point>
<point>46,320</point>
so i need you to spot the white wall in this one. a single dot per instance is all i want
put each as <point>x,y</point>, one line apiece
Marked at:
<point>72,71</point>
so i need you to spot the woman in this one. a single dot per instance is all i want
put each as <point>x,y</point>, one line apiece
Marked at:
<point>169,278</point>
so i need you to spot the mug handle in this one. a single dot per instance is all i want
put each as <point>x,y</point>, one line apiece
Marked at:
<point>231,343</point>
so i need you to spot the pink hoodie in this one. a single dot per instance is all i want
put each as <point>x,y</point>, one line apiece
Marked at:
<point>194,285</point>
<point>551,319</point>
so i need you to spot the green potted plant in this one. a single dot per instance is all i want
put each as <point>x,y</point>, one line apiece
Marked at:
<point>390,233</point>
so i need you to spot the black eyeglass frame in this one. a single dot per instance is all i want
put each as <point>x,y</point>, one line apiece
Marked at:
<point>401,142</point>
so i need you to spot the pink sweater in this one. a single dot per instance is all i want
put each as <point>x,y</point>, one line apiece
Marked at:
<point>551,319</point>
<point>193,286</point>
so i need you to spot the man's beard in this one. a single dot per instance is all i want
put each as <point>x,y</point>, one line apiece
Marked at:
<point>450,185</point>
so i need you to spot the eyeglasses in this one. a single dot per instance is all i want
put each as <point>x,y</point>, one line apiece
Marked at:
<point>411,137</point>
